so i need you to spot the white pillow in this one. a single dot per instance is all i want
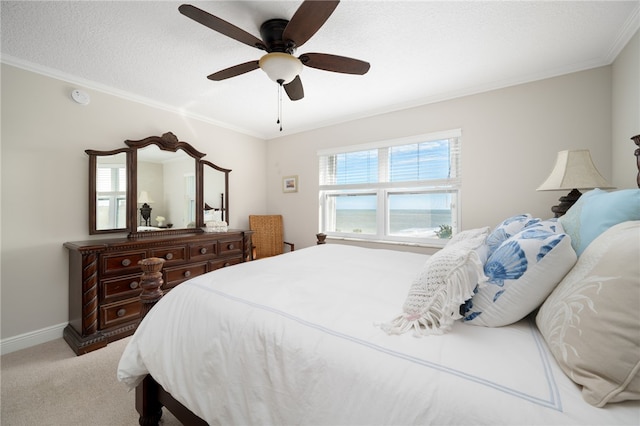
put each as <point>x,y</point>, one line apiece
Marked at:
<point>468,234</point>
<point>445,282</point>
<point>521,273</point>
<point>212,216</point>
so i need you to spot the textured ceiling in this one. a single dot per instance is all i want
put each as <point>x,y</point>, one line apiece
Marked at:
<point>420,52</point>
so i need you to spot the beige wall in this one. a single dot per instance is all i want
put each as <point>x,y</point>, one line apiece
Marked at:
<point>625,111</point>
<point>44,182</point>
<point>510,138</point>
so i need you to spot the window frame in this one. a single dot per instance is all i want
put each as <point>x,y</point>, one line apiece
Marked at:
<point>382,190</point>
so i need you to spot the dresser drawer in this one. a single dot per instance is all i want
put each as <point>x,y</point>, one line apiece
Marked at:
<point>227,247</point>
<point>217,264</point>
<point>203,251</point>
<point>120,287</point>
<point>113,314</point>
<point>170,254</point>
<point>122,262</point>
<point>176,275</point>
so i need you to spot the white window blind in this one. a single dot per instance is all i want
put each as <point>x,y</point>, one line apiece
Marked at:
<point>111,187</point>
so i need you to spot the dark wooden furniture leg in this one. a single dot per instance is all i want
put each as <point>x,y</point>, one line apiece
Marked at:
<point>147,401</point>
<point>150,395</point>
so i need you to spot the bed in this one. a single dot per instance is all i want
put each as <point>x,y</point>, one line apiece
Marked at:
<point>328,335</point>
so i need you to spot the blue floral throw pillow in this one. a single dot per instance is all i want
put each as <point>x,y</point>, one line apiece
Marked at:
<point>520,274</point>
<point>507,228</point>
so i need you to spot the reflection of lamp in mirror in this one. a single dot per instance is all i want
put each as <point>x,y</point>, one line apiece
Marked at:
<point>574,170</point>
<point>145,210</point>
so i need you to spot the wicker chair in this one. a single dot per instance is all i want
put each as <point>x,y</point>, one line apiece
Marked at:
<point>268,236</point>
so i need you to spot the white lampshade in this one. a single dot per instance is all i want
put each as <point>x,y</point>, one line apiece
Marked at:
<point>280,67</point>
<point>574,170</point>
<point>144,198</point>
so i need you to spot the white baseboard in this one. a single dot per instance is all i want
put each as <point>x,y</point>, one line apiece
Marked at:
<point>26,340</point>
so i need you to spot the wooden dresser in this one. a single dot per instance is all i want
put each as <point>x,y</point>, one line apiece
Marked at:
<point>104,278</point>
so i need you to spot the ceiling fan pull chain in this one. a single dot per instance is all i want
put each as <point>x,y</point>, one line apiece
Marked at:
<point>280,103</point>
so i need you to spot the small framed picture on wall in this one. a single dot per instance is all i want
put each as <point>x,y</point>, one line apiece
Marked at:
<point>290,184</point>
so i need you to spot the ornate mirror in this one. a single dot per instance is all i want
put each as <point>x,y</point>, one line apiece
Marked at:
<point>156,186</point>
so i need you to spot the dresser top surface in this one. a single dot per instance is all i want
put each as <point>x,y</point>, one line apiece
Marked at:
<point>104,243</point>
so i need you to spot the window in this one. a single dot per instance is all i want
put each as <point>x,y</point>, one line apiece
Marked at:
<point>111,192</point>
<point>403,190</point>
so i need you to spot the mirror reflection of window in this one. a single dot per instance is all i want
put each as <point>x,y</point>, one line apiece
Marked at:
<point>111,194</point>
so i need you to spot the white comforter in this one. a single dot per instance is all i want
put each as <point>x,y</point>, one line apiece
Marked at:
<point>293,340</point>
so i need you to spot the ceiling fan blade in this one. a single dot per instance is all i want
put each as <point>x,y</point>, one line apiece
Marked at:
<point>335,63</point>
<point>234,71</point>
<point>294,89</point>
<point>308,19</point>
<point>221,26</point>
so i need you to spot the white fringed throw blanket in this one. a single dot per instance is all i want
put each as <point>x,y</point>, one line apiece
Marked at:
<point>447,280</point>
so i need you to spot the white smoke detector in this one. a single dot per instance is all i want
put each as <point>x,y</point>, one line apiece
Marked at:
<point>80,97</point>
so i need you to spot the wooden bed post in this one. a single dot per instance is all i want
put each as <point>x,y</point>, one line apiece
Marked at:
<point>150,395</point>
<point>151,281</point>
<point>148,402</point>
<point>147,393</point>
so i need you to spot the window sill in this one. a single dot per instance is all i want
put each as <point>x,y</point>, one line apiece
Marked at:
<point>378,243</point>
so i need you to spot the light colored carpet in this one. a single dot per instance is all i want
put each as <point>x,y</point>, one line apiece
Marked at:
<point>49,385</point>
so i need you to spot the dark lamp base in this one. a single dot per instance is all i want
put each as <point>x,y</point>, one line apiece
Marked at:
<point>566,202</point>
<point>145,212</point>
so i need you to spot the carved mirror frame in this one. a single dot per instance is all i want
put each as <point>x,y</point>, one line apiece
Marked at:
<point>166,142</point>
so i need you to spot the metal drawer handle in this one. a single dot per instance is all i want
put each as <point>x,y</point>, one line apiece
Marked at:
<point>169,256</point>
<point>231,246</point>
<point>203,250</point>
<point>133,285</point>
<point>121,312</point>
<point>187,274</point>
<point>125,262</point>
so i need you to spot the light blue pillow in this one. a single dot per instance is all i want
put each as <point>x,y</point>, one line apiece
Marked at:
<point>596,211</point>
<point>520,274</point>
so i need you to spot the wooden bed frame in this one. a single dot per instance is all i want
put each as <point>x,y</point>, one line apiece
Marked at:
<point>151,396</point>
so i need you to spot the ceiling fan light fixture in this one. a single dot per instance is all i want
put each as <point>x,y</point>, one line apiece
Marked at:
<point>280,67</point>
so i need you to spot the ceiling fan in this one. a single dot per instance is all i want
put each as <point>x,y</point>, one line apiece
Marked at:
<point>280,39</point>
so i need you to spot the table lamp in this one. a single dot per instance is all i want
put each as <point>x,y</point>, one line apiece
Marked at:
<point>574,170</point>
